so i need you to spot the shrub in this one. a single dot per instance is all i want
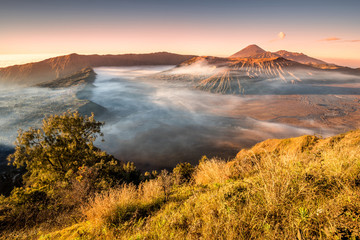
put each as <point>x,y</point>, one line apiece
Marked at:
<point>183,172</point>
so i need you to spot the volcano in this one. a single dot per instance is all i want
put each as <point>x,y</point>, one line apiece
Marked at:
<point>254,51</point>
<point>249,51</point>
<point>253,70</point>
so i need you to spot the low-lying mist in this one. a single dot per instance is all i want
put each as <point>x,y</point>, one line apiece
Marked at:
<point>26,107</point>
<point>157,124</point>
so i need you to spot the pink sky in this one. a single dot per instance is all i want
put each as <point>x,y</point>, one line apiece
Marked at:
<point>183,41</point>
<point>320,29</point>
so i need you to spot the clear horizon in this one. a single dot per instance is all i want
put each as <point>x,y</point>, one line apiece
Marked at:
<point>327,30</point>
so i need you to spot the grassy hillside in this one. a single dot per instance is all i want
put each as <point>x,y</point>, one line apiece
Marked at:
<point>299,188</point>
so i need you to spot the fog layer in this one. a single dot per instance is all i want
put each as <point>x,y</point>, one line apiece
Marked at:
<point>26,107</point>
<point>157,124</point>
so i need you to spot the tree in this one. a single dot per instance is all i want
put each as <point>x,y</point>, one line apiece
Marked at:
<point>63,169</point>
<point>63,150</point>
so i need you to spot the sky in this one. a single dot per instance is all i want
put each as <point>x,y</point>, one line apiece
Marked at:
<point>328,30</point>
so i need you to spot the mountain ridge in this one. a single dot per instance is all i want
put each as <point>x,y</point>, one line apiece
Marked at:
<point>254,51</point>
<point>299,57</point>
<point>267,74</point>
<point>61,66</point>
<point>84,76</point>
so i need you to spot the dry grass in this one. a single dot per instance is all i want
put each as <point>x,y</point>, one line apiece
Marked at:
<point>301,188</point>
<point>212,171</point>
<point>101,208</point>
<point>125,202</point>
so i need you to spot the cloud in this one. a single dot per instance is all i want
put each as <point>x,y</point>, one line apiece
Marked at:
<point>281,35</point>
<point>330,39</point>
<point>355,40</point>
<point>336,39</point>
<point>200,67</point>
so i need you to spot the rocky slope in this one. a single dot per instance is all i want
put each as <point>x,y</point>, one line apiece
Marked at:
<point>82,83</point>
<point>84,76</point>
<point>243,76</point>
<point>59,67</point>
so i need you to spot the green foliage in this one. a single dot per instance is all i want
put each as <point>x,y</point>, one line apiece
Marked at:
<point>64,169</point>
<point>26,206</point>
<point>203,159</point>
<point>303,213</point>
<point>63,150</point>
<point>183,172</point>
<point>60,148</point>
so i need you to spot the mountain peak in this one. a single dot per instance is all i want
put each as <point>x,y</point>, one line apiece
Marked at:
<point>254,51</point>
<point>249,51</point>
<point>253,46</point>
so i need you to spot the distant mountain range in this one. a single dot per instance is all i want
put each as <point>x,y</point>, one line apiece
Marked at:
<point>254,51</point>
<point>62,66</point>
<point>244,72</point>
<point>256,71</point>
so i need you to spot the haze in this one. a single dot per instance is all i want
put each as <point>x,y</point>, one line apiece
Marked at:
<point>155,124</point>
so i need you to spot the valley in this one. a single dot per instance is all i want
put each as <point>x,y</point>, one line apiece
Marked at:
<point>159,115</point>
<point>179,120</point>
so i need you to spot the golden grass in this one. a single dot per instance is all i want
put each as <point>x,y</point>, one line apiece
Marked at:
<point>211,171</point>
<point>100,209</point>
<point>300,188</point>
<point>104,207</point>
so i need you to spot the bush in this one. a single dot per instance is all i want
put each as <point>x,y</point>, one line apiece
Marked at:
<point>183,172</point>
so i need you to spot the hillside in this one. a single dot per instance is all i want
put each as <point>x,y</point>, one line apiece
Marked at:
<point>84,76</point>
<point>82,81</point>
<point>59,67</point>
<point>299,188</point>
